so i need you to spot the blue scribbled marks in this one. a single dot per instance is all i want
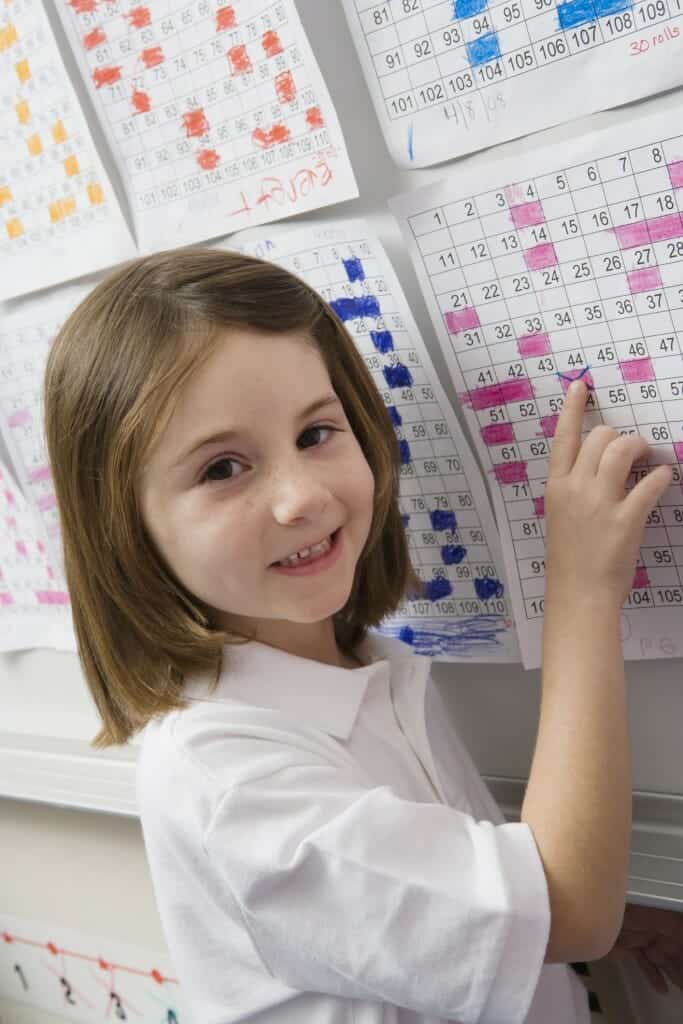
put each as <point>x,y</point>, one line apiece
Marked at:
<point>605,7</point>
<point>434,590</point>
<point>464,637</point>
<point>407,635</point>
<point>443,520</point>
<point>356,307</point>
<point>569,377</point>
<point>394,415</point>
<point>404,450</point>
<point>354,269</point>
<point>411,142</point>
<point>575,12</point>
<point>483,49</point>
<point>398,376</point>
<point>383,341</point>
<point>405,519</point>
<point>487,588</point>
<point>468,8</point>
<point>452,554</point>
<point>581,12</point>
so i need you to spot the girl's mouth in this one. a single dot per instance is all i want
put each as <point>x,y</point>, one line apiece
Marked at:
<point>312,560</point>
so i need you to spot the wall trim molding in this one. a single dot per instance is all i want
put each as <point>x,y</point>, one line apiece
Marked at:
<point>68,773</point>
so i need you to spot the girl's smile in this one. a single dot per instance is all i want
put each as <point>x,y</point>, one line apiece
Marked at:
<point>314,559</point>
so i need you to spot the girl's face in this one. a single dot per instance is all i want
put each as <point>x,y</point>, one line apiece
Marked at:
<point>287,476</point>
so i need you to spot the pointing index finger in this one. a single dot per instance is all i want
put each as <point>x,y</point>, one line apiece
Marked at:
<point>567,439</point>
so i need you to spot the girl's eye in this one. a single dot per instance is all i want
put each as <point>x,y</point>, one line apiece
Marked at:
<point>312,436</point>
<point>235,469</point>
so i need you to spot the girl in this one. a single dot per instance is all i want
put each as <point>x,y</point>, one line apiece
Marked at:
<point>321,845</point>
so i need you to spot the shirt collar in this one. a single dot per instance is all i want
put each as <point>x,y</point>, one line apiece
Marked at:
<point>317,695</point>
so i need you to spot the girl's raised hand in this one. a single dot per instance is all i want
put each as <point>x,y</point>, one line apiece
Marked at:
<point>594,525</point>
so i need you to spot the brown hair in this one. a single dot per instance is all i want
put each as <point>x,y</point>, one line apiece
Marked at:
<point>113,376</point>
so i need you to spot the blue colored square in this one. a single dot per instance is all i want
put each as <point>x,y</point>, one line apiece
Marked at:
<point>468,8</point>
<point>404,452</point>
<point>382,340</point>
<point>605,7</point>
<point>398,376</point>
<point>442,520</point>
<point>575,12</point>
<point>483,49</point>
<point>434,590</point>
<point>354,269</point>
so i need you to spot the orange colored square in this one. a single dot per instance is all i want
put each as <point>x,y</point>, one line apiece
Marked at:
<point>59,131</point>
<point>8,35</point>
<point>61,208</point>
<point>71,165</point>
<point>14,227</point>
<point>23,112</point>
<point>35,146</point>
<point>95,194</point>
<point>5,195</point>
<point>23,70</point>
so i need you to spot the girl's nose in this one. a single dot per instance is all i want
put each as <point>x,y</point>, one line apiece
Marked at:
<point>299,493</point>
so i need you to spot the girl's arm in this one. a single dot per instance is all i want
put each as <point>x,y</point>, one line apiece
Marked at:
<point>578,799</point>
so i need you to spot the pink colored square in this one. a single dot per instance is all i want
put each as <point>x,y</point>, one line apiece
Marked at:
<point>630,235</point>
<point>533,345</point>
<point>541,256</point>
<point>644,280</point>
<point>568,376</point>
<point>549,424</point>
<point>462,320</point>
<point>640,578</point>
<point>676,174</point>
<point>527,215</point>
<point>498,433</point>
<point>661,228</point>
<point>635,370</point>
<point>511,472</point>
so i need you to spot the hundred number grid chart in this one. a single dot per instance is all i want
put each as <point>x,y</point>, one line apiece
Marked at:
<point>216,113</point>
<point>451,76</point>
<point>575,271</point>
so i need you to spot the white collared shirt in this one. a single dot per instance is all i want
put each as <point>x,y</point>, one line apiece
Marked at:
<point>324,851</point>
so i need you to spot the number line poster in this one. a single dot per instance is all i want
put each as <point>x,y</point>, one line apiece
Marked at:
<point>535,279</point>
<point>448,77</point>
<point>86,978</point>
<point>463,612</point>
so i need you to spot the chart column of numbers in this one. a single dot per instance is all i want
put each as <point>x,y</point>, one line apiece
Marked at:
<point>577,273</point>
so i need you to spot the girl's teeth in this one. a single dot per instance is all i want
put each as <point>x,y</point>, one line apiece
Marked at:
<point>317,549</point>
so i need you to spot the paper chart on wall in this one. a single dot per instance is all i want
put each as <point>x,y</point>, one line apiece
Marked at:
<point>463,613</point>
<point>34,603</point>
<point>217,114</point>
<point>535,275</point>
<point>27,329</point>
<point>448,77</point>
<point>59,217</point>
<point>87,978</point>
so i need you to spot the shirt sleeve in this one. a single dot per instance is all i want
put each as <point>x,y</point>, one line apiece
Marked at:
<point>356,893</point>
